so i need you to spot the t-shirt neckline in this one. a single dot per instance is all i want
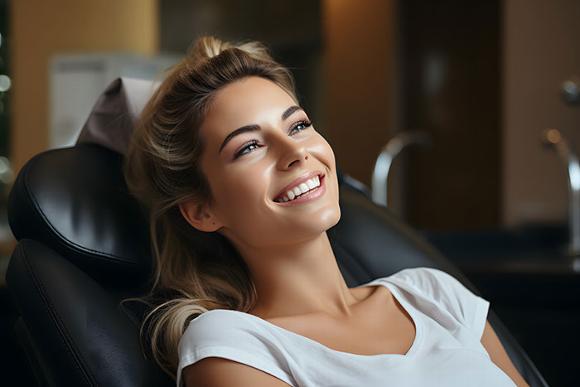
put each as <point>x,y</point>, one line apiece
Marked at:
<point>380,282</point>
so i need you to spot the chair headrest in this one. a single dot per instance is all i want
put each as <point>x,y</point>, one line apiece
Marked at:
<point>75,201</point>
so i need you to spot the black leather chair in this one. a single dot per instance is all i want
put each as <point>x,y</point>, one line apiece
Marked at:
<point>83,246</point>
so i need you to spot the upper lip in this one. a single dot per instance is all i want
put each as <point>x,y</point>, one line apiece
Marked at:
<point>299,180</point>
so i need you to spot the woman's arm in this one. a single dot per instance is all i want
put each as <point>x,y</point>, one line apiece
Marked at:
<point>219,372</point>
<point>499,356</point>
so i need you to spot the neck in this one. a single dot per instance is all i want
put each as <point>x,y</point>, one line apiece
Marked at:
<point>300,279</point>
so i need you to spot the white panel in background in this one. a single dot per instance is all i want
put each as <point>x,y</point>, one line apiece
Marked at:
<point>76,81</point>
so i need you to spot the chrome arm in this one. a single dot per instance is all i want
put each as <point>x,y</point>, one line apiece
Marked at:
<point>388,153</point>
<point>553,138</point>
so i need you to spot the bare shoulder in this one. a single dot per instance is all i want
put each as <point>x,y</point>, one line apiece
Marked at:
<point>219,372</point>
<point>499,356</point>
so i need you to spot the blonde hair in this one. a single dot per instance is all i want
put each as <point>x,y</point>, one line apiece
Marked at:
<point>194,271</point>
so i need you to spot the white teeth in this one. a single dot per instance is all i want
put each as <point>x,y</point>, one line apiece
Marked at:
<point>302,188</point>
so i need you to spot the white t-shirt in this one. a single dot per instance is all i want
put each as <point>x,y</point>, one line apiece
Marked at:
<point>447,351</point>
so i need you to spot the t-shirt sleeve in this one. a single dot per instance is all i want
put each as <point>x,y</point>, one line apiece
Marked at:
<point>469,309</point>
<point>219,335</point>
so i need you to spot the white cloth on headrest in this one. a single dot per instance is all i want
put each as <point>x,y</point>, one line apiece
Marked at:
<point>113,117</point>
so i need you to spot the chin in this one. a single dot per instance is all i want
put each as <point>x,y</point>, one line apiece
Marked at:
<point>329,218</point>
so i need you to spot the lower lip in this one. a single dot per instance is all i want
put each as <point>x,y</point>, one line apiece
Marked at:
<point>310,195</point>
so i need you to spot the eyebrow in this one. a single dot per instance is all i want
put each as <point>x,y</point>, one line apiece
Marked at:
<point>251,128</point>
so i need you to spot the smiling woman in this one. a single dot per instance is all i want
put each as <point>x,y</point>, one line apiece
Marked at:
<point>225,154</point>
<point>279,154</point>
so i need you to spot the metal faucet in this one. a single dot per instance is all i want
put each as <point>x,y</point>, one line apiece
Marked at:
<point>388,153</point>
<point>570,90</point>
<point>554,139</point>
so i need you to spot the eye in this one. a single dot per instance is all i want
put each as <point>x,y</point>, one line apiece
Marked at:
<point>253,145</point>
<point>300,126</point>
<point>249,147</point>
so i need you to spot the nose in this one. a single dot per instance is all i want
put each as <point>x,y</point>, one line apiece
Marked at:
<point>291,153</point>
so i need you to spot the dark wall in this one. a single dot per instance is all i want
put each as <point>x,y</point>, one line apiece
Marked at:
<point>451,88</point>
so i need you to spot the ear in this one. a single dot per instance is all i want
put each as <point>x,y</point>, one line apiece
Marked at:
<point>199,216</point>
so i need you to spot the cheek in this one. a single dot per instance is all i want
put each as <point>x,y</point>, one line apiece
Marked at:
<point>240,195</point>
<point>322,149</point>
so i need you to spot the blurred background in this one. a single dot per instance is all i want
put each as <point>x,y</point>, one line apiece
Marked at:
<point>462,118</point>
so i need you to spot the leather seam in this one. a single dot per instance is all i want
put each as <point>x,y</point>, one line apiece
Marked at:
<point>78,362</point>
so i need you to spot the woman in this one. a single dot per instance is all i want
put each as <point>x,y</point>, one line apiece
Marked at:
<point>224,153</point>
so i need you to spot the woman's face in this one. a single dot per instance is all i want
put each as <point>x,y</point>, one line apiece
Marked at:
<point>258,145</point>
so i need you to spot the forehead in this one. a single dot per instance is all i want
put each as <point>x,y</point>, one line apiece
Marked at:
<point>245,101</point>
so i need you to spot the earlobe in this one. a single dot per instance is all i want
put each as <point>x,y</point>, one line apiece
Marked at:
<point>199,216</point>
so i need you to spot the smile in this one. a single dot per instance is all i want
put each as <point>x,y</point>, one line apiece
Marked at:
<point>303,192</point>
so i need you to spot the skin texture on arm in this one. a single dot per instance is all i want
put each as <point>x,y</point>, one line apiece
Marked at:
<point>499,356</point>
<point>219,372</point>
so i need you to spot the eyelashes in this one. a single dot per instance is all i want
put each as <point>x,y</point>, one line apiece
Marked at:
<point>306,124</point>
<point>250,146</point>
